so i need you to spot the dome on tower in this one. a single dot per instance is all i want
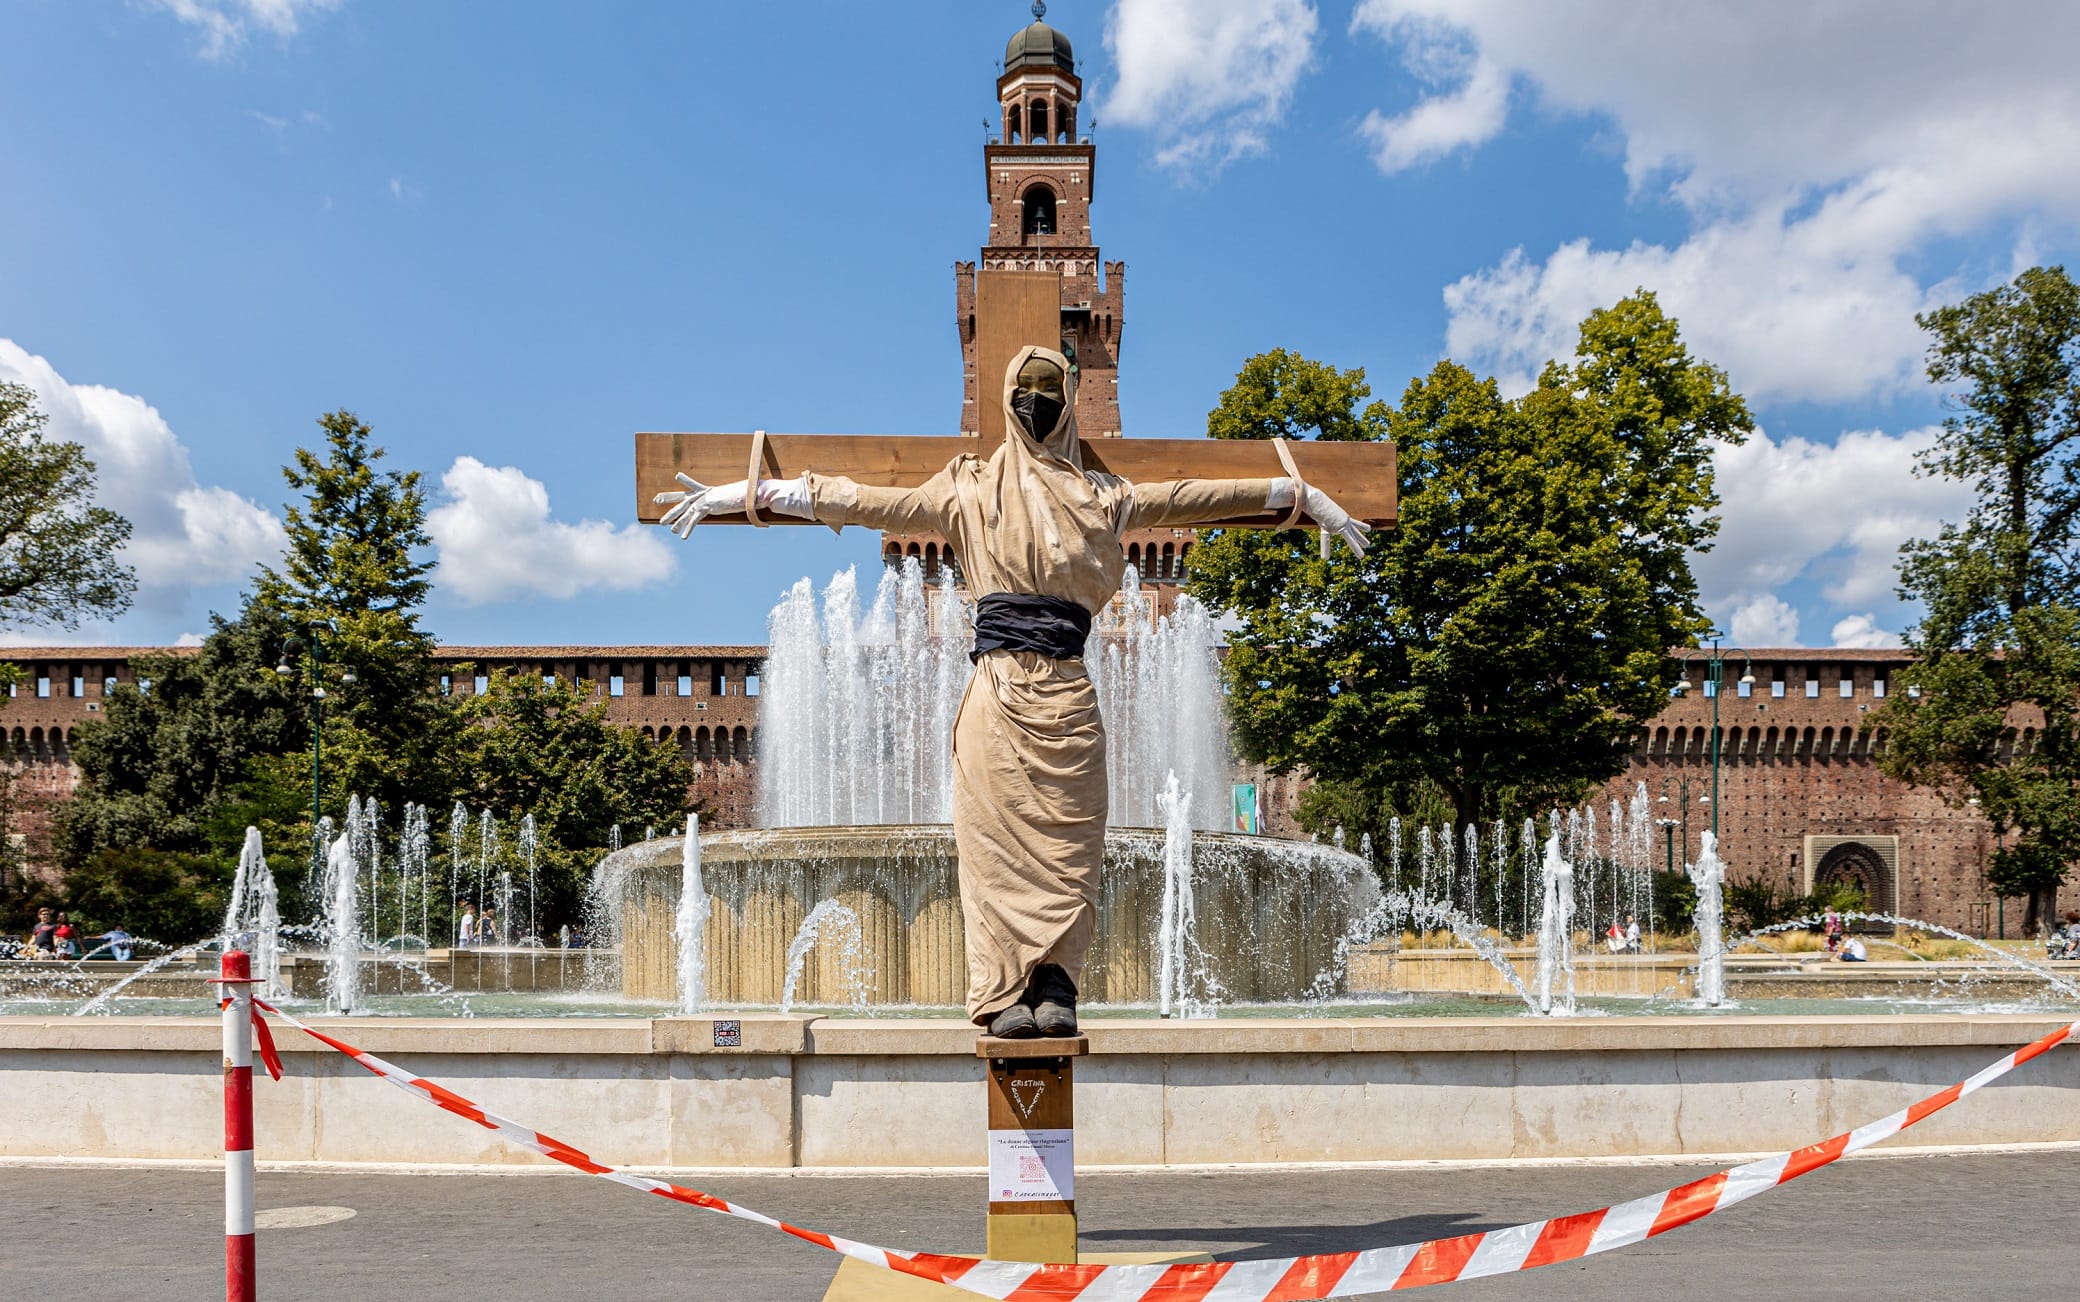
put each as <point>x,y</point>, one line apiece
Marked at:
<point>1039,46</point>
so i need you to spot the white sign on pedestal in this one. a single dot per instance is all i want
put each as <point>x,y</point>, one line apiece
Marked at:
<point>1032,1166</point>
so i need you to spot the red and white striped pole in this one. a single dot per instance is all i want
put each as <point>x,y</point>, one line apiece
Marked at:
<point>236,978</point>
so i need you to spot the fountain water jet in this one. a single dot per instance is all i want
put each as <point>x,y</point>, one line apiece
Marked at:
<point>1177,936</point>
<point>1556,934</point>
<point>341,928</point>
<point>690,923</point>
<point>1709,875</point>
<point>851,953</point>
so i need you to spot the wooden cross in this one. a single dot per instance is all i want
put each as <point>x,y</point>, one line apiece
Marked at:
<point>1023,308</point>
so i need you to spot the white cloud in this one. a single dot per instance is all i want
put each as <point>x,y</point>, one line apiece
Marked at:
<point>496,542</point>
<point>1767,620</point>
<point>1863,631</point>
<point>1784,316</point>
<point>1209,77</point>
<point>1471,114</point>
<point>224,24</point>
<point>184,535</point>
<point>1831,515</point>
<point>1819,150</point>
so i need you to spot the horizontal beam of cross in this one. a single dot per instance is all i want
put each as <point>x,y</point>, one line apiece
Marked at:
<point>1360,476</point>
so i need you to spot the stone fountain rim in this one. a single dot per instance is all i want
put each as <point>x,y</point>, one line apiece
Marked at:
<point>886,836</point>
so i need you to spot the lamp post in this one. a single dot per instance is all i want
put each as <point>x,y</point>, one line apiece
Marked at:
<point>1715,680</point>
<point>287,668</point>
<point>1681,818</point>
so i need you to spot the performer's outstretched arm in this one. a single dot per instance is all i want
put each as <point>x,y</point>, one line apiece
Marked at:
<point>827,499</point>
<point>1202,501</point>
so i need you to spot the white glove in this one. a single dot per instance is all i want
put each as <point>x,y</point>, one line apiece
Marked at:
<point>699,501</point>
<point>1334,521</point>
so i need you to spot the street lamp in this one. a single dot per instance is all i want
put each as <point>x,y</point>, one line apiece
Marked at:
<point>1681,818</point>
<point>290,653</point>
<point>1715,677</point>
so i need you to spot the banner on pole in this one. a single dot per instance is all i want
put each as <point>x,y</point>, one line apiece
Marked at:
<point>1245,803</point>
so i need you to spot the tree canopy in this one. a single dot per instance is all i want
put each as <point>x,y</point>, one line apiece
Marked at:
<point>205,743</point>
<point>550,750</point>
<point>1999,649</point>
<point>348,594</point>
<point>1508,639</point>
<point>59,559</point>
<point>164,759</point>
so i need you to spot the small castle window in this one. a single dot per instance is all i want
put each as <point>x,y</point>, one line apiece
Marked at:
<point>1036,118</point>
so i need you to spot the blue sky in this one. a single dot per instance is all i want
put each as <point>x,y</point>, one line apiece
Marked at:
<point>510,237</point>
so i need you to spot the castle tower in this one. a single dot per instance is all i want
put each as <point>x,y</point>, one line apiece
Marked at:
<point>1039,172</point>
<point>1040,177</point>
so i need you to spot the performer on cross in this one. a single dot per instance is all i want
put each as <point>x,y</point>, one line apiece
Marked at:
<point>1039,541</point>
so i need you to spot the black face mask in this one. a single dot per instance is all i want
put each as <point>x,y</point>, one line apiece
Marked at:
<point>1037,411</point>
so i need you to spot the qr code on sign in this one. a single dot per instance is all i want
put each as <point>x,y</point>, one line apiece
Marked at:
<point>729,1033</point>
<point>1031,1170</point>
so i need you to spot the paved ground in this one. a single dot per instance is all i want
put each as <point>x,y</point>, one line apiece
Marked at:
<point>1924,1227</point>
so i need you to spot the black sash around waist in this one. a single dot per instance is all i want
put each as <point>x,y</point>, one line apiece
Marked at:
<point>1008,621</point>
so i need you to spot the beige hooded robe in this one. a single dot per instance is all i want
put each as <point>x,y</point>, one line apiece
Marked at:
<point>1029,796</point>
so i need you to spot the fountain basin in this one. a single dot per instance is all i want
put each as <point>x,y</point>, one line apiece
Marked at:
<point>842,1093</point>
<point>1671,976</point>
<point>1273,915</point>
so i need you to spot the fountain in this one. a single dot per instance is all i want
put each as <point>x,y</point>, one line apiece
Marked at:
<point>1177,935</point>
<point>253,916</point>
<point>341,929</point>
<point>845,923</point>
<point>690,923</point>
<point>1556,934</point>
<point>855,794</point>
<point>1709,875</point>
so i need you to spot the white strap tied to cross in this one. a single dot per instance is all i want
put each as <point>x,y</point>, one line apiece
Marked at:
<point>758,457</point>
<point>1299,512</point>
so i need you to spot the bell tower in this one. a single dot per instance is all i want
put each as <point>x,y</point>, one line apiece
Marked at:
<point>1040,175</point>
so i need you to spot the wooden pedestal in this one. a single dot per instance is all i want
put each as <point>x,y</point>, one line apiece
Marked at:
<point>1032,1164</point>
<point>1032,1147</point>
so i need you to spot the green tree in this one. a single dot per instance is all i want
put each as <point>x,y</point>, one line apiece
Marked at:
<point>1506,642</point>
<point>349,588</point>
<point>161,763</point>
<point>546,749</point>
<point>58,551</point>
<point>162,895</point>
<point>1999,649</point>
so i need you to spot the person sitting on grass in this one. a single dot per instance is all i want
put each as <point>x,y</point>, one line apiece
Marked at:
<point>1853,951</point>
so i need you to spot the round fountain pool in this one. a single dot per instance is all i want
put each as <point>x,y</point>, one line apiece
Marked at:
<point>884,904</point>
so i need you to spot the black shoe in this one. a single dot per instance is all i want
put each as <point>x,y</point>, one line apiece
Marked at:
<point>1014,1023</point>
<point>1053,996</point>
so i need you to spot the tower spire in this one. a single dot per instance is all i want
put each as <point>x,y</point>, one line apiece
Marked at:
<point>1039,10</point>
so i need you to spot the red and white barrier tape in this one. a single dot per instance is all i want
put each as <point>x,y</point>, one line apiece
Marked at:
<point>1286,1279</point>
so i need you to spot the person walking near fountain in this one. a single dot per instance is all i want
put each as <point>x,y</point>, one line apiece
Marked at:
<point>465,925</point>
<point>43,939</point>
<point>1039,542</point>
<point>487,927</point>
